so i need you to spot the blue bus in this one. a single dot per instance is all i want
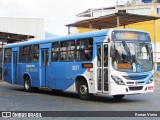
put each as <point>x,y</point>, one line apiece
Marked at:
<point>113,62</point>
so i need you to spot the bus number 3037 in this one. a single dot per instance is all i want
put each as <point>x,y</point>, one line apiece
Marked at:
<point>75,67</point>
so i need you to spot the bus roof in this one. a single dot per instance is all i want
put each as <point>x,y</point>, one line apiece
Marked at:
<point>68,37</point>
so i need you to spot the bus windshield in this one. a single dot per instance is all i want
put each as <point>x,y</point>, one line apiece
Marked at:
<point>132,56</point>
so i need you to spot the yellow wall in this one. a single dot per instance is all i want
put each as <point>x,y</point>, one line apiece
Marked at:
<point>81,30</point>
<point>147,26</point>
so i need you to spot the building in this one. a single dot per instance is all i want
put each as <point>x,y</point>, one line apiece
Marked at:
<point>19,29</point>
<point>152,26</point>
<point>24,26</point>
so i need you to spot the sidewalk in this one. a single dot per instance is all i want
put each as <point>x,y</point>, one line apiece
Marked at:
<point>157,76</point>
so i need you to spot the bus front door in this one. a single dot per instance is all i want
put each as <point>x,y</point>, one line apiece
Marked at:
<point>102,68</point>
<point>45,64</point>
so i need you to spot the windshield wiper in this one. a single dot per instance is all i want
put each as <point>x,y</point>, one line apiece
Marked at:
<point>127,50</point>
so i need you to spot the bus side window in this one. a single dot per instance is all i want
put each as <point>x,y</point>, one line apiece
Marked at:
<point>71,50</point>
<point>55,51</point>
<point>67,50</point>
<point>106,55</point>
<point>27,54</point>
<point>7,55</point>
<point>24,54</point>
<point>35,53</point>
<point>84,51</point>
<point>62,51</point>
<point>88,53</point>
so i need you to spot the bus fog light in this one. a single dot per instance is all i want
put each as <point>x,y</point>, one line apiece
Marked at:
<point>117,80</point>
<point>126,89</point>
<point>146,89</point>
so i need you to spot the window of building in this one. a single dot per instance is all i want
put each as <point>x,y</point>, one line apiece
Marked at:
<point>158,11</point>
<point>140,11</point>
<point>67,50</point>
<point>26,54</point>
<point>7,55</point>
<point>55,51</point>
<point>35,53</point>
<point>122,11</point>
<point>84,51</point>
<point>99,13</point>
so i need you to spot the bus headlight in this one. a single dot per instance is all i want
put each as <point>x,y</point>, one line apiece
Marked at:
<point>117,80</point>
<point>150,80</point>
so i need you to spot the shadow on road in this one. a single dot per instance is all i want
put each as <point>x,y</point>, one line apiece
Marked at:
<point>74,95</point>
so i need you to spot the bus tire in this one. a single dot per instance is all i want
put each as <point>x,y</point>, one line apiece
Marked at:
<point>83,91</point>
<point>27,84</point>
<point>118,97</point>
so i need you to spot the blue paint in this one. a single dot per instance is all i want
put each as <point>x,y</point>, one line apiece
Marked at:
<point>147,1</point>
<point>142,77</point>
<point>158,68</point>
<point>138,68</point>
<point>7,73</point>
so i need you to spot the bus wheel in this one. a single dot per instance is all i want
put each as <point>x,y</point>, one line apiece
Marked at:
<point>27,84</point>
<point>83,91</point>
<point>118,97</point>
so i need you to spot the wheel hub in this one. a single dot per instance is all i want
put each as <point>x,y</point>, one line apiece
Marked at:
<point>83,89</point>
<point>26,84</point>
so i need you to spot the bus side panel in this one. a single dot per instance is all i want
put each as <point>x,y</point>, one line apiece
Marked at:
<point>30,69</point>
<point>71,70</point>
<point>50,78</point>
<point>63,74</point>
<point>60,75</point>
<point>7,73</point>
<point>20,74</point>
<point>34,73</point>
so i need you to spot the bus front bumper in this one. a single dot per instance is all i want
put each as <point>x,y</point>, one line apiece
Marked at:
<point>134,89</point>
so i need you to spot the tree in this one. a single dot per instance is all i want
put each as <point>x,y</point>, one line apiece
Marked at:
<point>156,1</point>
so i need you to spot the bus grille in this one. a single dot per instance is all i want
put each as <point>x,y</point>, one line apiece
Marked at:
<point>135,77</point>
<point>135,88</point>
<point>130,82</point>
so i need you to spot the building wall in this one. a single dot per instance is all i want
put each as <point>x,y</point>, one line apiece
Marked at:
<point>26,26</point>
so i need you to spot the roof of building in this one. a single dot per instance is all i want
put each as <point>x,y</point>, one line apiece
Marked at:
<point>87,13</point>
<point>12,37</point>
<point>112,20</point>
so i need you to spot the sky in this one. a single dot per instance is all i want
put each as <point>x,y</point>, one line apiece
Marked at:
<point>55,13</point>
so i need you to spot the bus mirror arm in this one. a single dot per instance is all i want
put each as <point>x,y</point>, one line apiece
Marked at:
<point>112,52</point>
<point>109,40</point>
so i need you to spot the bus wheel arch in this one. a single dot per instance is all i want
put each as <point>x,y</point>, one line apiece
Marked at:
<point>82,88</point>
<point>27,83</point>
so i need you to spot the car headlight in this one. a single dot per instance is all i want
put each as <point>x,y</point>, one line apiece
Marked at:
<point>150,80</point>
<point>117,80</point>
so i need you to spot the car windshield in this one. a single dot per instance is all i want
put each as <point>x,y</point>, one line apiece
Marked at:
<point>132,57</point>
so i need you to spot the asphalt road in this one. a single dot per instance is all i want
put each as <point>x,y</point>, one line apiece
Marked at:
<point>13,98</point>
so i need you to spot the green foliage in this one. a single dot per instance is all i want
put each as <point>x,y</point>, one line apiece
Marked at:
<point>156,1</point>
